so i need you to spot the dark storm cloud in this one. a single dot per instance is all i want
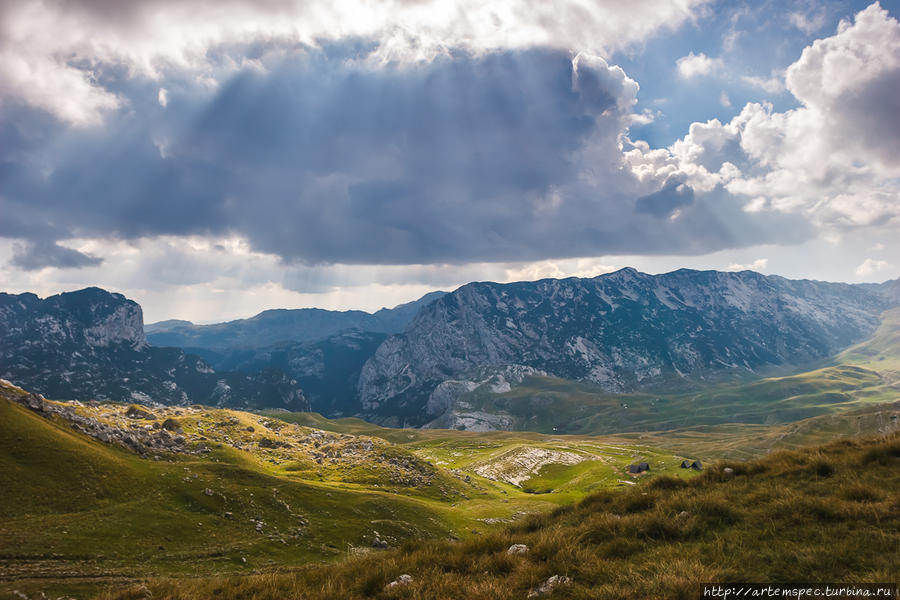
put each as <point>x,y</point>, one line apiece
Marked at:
<point>37,255</point>
<point>666,201</point>
<point>323,158</point>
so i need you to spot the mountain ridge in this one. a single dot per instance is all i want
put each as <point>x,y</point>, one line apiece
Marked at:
<point>280,325</point>
<point>624,330</point>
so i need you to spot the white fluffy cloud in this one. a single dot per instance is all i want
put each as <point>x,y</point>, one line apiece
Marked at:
<point>695,65</point>
<point>835,159</point>
<point>50,51</point>
<point>759,265</point>
<point>871,266</point>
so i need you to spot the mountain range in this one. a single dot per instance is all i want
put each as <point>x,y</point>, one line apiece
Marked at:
<point>622,332</point>
<point>273,327</point>
<point>625,331</point>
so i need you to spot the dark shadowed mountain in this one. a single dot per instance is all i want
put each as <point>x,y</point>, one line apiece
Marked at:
<point>272,327</point>
<point>327,369</point>
<point>90,344</point>
<point>624,331</point>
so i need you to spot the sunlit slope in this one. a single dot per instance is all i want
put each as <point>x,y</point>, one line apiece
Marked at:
<point>557,467</point>
<point>746,441</point>
<point>882,352</point>
<point>823,514</point>
<point>248,495</point>
<point>71,506</point>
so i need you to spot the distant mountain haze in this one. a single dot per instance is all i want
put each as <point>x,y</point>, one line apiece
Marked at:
<point>272,327</point>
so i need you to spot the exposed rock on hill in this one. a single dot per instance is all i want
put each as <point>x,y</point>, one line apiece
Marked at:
<point>308,452</point>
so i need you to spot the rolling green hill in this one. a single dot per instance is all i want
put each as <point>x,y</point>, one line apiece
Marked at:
<point>882,352</point>
<point>76,513</point>
<point>825,514</point>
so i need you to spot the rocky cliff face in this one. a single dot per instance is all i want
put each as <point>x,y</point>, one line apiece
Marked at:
<point>90,344</point>
<point>625,331</point>
<point>91,317</point>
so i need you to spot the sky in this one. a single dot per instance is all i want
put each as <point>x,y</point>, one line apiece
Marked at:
<point>212,159</point>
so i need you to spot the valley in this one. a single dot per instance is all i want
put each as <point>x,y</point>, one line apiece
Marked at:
<point>97,496</point>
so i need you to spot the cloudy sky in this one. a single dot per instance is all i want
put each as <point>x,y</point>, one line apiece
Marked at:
<point>211,159</point>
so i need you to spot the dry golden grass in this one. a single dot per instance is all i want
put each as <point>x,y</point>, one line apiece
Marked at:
<point>829,514</point>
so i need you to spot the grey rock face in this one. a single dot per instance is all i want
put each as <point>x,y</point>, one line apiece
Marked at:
<point>625,331</point>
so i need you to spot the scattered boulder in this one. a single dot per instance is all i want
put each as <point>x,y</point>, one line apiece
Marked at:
<point>35,402</point>
<point>136,412</point>
<point>728,472</point>
<point>228,514</point>
<point>171,424</point>
<point>402,580</point>
<point>379,543</point>
<point>548,586</point>
<point>269,443</point>
<point>259,526</point>
<point>208,492</point>
<point>518,549</point>
<point>250,429</point>
<point>684,514</point>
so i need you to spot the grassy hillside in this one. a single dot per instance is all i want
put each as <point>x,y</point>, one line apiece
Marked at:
<point>827,514</point>
<point>73,508</point>
<point>75,512</point>
<point>746,441</point>
<point>882,352</point>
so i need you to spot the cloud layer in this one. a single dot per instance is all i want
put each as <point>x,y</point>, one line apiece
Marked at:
<point>451,134</point>
<point>54,54</point>
<point>321,157</point>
